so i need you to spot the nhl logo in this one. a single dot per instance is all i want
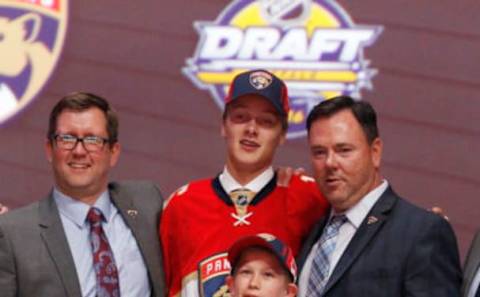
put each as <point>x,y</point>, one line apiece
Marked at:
<point>32,34</point>
<point>312,45</point>
<point>285,12</point>
<point>260,80</point>
<point>242,200</point>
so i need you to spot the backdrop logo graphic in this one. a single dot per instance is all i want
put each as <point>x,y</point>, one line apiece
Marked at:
<point>313,45</point>
<point>32,34</point>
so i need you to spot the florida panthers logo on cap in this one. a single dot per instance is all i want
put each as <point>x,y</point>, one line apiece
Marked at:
<point>260,80</point>
<point>32,34</point>
<point>312,45</point>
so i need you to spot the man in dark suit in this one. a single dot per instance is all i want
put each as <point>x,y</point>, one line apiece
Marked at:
<point>372,243</point>
<point>88,237</point>
<point>471,270</point>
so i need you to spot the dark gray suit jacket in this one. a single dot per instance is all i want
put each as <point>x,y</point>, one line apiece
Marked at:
<point>35,259</point>
<point>472,264</point>
<point>407,251</point>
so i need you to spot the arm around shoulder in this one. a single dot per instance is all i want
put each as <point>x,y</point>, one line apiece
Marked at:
<point>3,209</point>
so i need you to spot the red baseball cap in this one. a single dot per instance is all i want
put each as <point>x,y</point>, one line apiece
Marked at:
<point>277,247</point>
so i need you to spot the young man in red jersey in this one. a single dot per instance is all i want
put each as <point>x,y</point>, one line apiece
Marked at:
<point>203,218</point>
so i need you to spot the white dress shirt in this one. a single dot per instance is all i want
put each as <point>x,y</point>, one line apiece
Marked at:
<point>474,285</point>
<point>229,183</point>
<point>355,216</point>
<point>132,273</point>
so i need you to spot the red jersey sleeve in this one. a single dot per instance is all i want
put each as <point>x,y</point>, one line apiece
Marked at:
<point>169,231</point>
<point>306,205</point>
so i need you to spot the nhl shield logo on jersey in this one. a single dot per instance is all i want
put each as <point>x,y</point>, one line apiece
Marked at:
<point>32,34</point>
<point>212,274</point>
<point>312,45</point>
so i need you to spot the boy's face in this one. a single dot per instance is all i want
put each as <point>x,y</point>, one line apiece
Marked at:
<point>252,130</point>
<point>260,274</point>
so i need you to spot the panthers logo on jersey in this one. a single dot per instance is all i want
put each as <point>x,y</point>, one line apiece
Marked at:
<point>212,273</point>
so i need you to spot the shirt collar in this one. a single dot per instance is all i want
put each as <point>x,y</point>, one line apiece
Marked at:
<point>229,183</point>
<point>76,211</point>
<point>359,211</point>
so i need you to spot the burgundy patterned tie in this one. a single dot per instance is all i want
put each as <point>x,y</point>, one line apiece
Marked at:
<point>103,261</point>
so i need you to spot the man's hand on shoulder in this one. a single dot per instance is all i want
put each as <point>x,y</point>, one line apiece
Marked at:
<point>284,175</point>
<point>439,211</point>
<point>3,209</point>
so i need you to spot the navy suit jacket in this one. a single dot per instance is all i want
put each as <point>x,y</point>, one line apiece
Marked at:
<point>407,251</point>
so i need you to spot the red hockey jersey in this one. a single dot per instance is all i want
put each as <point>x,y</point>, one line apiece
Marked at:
<point>199,223</point>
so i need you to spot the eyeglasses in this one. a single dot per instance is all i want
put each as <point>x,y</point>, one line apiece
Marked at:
<point>90,143</point>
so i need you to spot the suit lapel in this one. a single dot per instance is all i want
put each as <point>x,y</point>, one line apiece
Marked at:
<point>137,223</point>
<point>127,209</point>
<point>472,264</point>
<point>311,240</point>
<point>365,233</point>
<point>53,235</point>
<point>133,218</point>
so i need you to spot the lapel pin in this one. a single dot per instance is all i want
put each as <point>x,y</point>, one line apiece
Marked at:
<point>132,212</point>
<point>371,220</point>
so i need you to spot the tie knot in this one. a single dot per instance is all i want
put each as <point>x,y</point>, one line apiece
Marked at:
<point>338,220</point>
<point>94,216</point>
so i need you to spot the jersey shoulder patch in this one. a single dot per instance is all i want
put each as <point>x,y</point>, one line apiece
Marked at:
<point>179,192</point>
<point>193,188</point>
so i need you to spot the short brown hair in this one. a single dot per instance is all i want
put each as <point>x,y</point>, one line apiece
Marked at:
<point>80,101</point>
<point>361,110</point>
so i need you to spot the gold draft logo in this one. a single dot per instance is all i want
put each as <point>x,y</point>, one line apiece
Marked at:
<point>312,45</point>
<point>32,33</point>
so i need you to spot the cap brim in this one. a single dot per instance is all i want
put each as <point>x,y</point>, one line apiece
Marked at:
<point>240,245</point>
<point>277,108</point>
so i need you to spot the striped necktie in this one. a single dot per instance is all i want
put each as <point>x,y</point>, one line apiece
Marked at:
<point>321,261</point>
